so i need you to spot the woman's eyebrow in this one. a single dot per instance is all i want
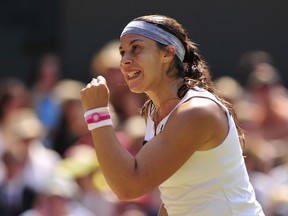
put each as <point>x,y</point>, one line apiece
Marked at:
<point>131,42</point>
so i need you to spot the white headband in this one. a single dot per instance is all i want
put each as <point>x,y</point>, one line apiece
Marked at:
<point>155,33</point>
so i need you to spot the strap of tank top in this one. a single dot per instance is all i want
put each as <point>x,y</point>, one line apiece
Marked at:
<point>198,92</point>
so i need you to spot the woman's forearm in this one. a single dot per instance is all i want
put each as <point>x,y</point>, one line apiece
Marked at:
<point>117,164</point>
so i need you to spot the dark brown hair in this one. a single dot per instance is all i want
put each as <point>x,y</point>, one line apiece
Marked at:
<point>193,70</point>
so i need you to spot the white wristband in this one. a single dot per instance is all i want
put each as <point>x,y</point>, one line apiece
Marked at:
<point>98,117</point>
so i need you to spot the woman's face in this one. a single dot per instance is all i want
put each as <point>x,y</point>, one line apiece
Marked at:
<point>141,63</point>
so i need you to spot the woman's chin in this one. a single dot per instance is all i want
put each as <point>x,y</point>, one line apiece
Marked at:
<point>135,90</point>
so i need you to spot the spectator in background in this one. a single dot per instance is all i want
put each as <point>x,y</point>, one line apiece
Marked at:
<point>264,108</point>
<point>266,93</point>
<point>279,197</point>
<point>82,166</point>
<point>249,60</point>
<point>72,126</point>
<point>27,133</point>
<point>260,159</point>
<point>263,115</point>
<point>279,201</point>
<point>58,198</point>
<point>229,88</point>
<point>13,95</point>
<point>28,165</point>
<point>15,195</point>
<point>46,76</point>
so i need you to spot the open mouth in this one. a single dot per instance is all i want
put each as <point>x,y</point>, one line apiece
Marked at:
<point>133,75</point>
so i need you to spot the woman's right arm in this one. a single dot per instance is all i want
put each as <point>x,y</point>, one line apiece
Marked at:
<point>192,125</point>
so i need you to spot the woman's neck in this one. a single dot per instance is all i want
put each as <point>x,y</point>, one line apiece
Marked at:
<point>164,109</point>
<point>164,92</point>
<point>164,98</point>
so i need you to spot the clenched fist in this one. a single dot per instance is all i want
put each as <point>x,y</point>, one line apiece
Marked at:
<point>96,94</point>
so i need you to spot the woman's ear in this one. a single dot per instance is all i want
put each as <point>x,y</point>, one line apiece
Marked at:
<point>169,53</point>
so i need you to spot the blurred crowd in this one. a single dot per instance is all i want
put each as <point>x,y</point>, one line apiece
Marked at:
<point>48,166</point>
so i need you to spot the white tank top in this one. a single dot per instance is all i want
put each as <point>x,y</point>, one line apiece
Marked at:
<point>212,182</point>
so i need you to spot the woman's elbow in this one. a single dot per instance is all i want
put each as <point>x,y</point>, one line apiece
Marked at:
<point>129,193</point>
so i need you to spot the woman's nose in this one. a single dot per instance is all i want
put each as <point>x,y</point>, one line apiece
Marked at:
<point>126,59</point>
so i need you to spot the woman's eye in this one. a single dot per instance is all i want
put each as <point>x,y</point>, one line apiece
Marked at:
<point>121,52</point>
<point>135,48</point>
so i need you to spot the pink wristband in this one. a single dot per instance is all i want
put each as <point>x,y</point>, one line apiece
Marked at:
<point>98,117</point>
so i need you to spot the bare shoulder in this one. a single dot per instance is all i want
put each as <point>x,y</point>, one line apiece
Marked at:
<point>200,105</point>
<point>201,120</point>
<point>198,124</point>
